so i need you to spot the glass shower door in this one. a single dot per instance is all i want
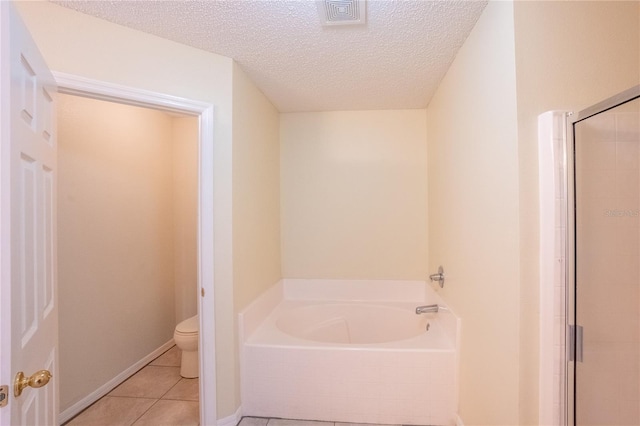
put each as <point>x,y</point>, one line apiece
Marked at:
<point>606,380</point>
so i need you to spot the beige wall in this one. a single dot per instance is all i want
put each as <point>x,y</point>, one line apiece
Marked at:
<point>473,213</point>
<point>78,44</point>
<point>256,191</point>
<point>115,250</point>
<point>184,157</point>
<point>354,194</point>
<point>569,55</point>
<point>256,199</point>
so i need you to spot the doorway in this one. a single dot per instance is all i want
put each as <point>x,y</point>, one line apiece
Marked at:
<point>604,279</point>
<point>127,242</point>
<point>74,85</point>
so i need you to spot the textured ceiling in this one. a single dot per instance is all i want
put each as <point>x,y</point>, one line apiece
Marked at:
<point>394,61</point>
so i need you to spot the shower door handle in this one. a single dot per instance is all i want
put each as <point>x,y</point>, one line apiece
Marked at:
<point>576,343</point>
<point>579,344</point>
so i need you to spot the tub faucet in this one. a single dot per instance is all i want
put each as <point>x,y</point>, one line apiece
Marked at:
<point>426,309</point>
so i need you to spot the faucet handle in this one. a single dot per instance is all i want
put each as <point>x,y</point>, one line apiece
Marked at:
<point>439,277</point>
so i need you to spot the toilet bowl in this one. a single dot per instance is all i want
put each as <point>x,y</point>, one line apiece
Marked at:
<point>186,338</point>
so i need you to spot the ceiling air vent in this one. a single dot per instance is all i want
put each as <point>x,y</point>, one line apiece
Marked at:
<point>342,12</point>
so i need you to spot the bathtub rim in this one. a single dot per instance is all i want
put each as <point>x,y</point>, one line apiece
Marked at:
<point>361,291</point>
<point>375,316</point>
<point>268,333</point>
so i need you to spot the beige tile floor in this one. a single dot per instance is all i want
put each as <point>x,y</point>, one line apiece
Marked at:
<point>260,421</point>
<point>155,395</point>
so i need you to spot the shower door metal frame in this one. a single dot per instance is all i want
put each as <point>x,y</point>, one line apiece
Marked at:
<point>570,267</point>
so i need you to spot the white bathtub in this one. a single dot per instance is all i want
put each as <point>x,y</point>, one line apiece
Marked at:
<point>364,361</point>
<point>351,323</point>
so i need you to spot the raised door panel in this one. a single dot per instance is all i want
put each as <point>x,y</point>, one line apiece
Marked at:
<point>33,226</point>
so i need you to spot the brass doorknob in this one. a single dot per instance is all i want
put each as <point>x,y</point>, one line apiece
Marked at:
<point>37,380</point>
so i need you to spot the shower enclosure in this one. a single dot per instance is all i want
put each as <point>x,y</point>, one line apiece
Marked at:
<point>603,303</point>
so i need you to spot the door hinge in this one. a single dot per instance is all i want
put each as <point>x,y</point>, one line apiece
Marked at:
<point>576,343</point>
<point>4,395</point>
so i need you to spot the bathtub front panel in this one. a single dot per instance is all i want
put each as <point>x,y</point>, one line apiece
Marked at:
<point>350,385</point>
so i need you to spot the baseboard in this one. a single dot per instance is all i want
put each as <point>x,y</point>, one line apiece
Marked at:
<point>459,420</point>
<point>76,408</point>
<point>231,420</point>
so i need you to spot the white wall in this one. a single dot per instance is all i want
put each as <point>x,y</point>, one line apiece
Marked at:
<point>473,213</point>
<point>78,44</point>
<point>115,245</point>
<point>354,194</point>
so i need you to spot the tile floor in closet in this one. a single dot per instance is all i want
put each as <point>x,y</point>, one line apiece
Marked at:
<point>156,395</point>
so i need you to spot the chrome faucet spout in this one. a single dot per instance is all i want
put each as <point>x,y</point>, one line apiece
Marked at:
<point>427,309</point>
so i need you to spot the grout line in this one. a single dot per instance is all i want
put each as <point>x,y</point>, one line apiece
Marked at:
<point>169,390</point>
<point>129,397</point>
<point>145,412</point>
<point>319,422</point>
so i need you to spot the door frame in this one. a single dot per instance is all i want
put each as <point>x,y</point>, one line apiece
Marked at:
<point>80,86</point>
<point>570,266</point>
<point>5,205</point>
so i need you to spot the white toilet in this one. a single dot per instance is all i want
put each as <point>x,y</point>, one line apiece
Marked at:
<point>186,338</point>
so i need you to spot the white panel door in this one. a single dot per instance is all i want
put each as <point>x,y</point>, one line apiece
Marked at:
<point>31,204</point>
